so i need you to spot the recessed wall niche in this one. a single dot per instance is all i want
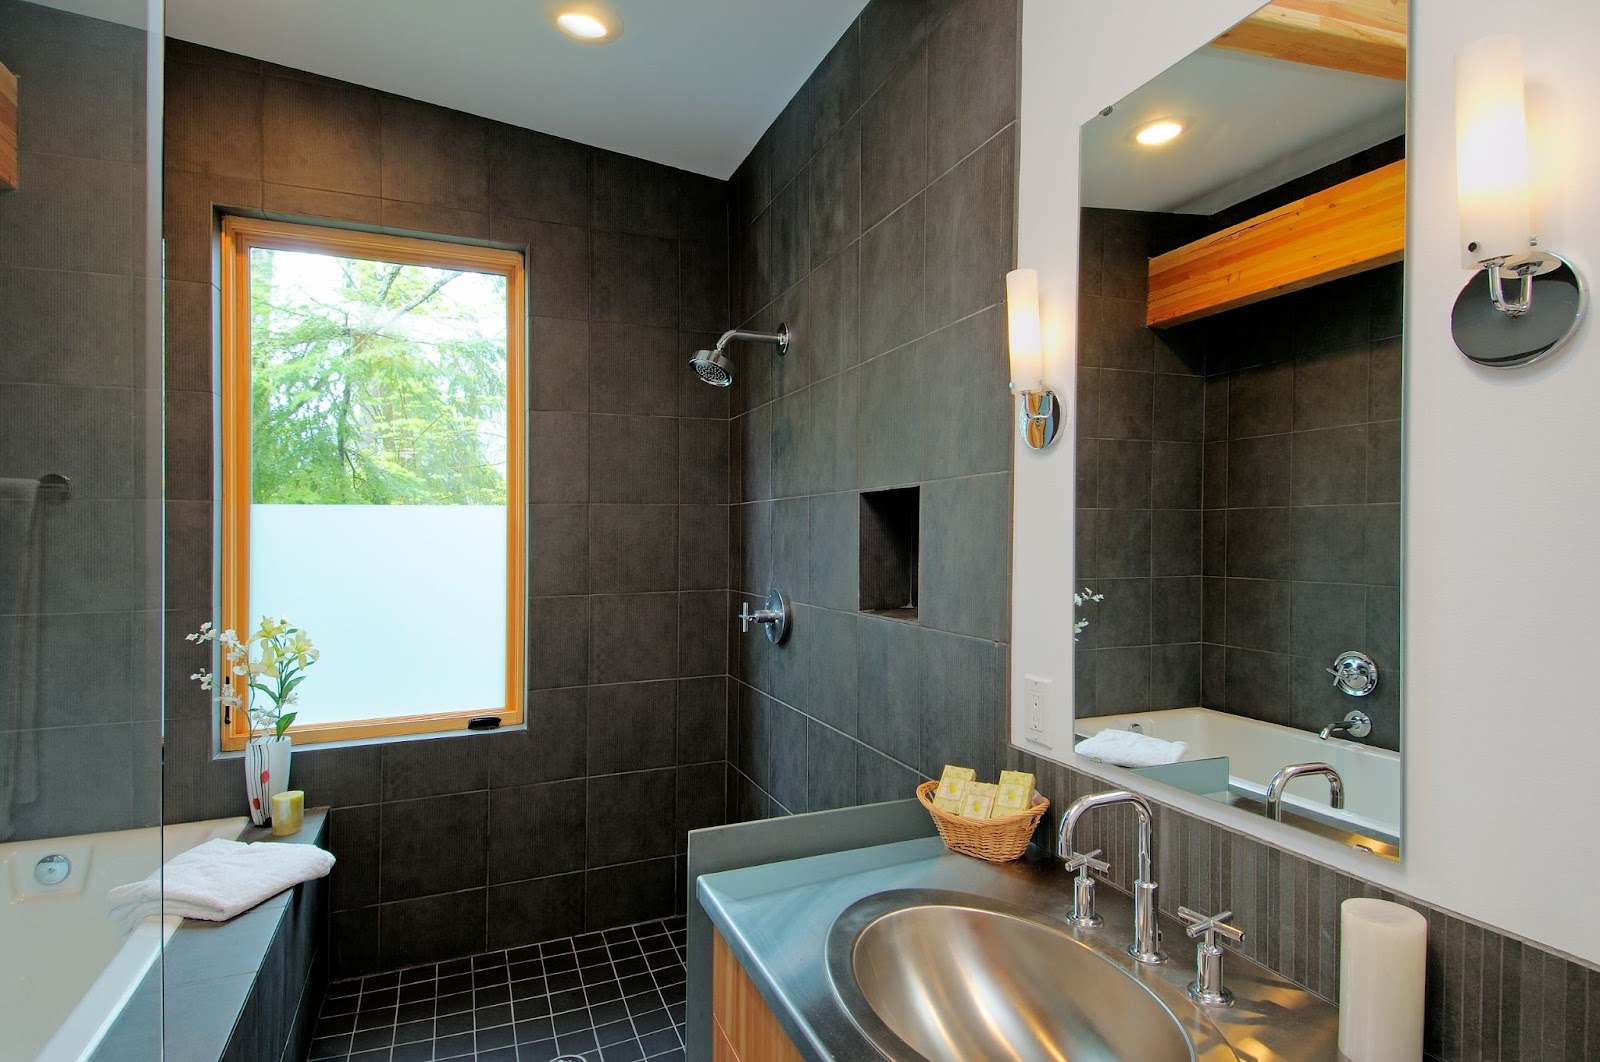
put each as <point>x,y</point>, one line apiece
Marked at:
<point>889,551</point>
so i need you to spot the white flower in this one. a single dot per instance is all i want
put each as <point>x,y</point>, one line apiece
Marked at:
<point>203,677</point>
<point>1079,599</point>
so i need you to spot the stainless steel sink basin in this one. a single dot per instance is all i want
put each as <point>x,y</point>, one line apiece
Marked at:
<point>940,976</point>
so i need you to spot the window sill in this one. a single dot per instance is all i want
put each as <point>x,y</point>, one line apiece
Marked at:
<point>396,739</point>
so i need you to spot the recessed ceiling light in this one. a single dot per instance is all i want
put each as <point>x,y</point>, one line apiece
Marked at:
<point>582,26</point>
<point>1158,132</point>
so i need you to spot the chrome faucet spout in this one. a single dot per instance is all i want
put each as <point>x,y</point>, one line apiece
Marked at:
<point>1353,725</point>
<point>1281,780</point>
<point>1146,946</point>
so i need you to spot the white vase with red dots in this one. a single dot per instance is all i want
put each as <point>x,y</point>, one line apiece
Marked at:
<point>266,774</point>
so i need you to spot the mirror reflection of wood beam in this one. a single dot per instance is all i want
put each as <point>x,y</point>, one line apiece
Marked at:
<point>1361,36</point>
<point>8,130</point>
<point>1346,229</point>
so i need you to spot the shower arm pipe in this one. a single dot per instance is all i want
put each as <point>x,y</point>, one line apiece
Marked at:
<point>780,338</point>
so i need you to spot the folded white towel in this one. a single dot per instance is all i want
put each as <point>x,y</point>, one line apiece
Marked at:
<point>217,880</point>
<point>1124,748</point>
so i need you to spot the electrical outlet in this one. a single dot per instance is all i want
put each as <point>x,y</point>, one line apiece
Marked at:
<point>1036,703</point>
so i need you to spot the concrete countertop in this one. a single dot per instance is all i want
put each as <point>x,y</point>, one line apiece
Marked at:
<point>776,919</point>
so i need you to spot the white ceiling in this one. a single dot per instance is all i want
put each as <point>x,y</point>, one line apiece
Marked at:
<point>690,83</point>
<point>1251,124</point>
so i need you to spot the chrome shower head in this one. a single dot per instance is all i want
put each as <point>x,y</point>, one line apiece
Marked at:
<point>713,366</point>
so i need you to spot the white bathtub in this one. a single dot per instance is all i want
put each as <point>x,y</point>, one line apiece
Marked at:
<point>1256,751</point>
<point>66,971</point>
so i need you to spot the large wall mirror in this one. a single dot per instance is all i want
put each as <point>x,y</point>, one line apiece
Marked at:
<point>1240,421</point>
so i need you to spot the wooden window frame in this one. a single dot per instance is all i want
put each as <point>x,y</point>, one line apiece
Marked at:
<point>240,236</point>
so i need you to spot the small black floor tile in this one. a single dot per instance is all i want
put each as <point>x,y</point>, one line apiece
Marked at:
<point>612,996</point>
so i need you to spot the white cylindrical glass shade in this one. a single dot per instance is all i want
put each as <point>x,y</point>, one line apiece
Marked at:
<point>1022,320</point>
<point>1492,148</point>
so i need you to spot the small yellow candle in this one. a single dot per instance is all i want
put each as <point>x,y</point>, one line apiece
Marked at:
<point>288,812</point>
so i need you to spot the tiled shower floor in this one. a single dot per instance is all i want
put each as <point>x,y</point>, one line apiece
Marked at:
<point>615,996</point>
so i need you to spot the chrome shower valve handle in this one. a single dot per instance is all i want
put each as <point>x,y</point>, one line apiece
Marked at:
<point>774,617</point>
<point>1354,674</point>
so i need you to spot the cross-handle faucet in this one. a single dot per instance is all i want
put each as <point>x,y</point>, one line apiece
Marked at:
<point>1083,914</point>
<point>1207,988</point>
<point>1288,774</point>
<point>1146,946</point>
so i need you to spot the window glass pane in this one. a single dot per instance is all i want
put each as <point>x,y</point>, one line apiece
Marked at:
<point>378,479</point>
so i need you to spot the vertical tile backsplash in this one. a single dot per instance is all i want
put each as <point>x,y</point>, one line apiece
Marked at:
<point>1489,996</point>
<point>450,846</point>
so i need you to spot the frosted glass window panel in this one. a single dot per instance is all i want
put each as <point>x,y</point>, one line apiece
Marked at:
<point>406,602</point>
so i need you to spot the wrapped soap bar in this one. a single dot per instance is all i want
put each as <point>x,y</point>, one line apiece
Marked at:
<point>948,796</point>
<point>977,800</point>
<point>1015,793</point>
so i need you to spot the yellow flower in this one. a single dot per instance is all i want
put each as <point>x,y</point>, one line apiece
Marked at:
<point>302,648</point>
<point>271,628</point>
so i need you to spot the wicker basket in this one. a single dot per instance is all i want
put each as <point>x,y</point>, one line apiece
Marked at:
<point>996,840</point>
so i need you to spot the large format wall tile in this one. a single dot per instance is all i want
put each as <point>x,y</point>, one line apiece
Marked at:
<point>897,378</point>
<point>628,527</point>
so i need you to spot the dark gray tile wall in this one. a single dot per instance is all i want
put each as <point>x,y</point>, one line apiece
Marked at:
<point>1490,996</point>
<point>1302,501</point>
<point>876,218</point>
<point>80,707</point>
<point>1238,487</point>
<point>1140,420</point>
<point>457,845</point>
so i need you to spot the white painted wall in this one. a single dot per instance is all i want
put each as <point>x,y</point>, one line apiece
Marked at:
<point>1502,510</point>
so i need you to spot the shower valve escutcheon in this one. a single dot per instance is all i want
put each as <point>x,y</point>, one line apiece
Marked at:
<point>1354,674</point>
<point>774,617</point>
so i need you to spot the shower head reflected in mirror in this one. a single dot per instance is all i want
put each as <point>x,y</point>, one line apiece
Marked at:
<point>716,368</point>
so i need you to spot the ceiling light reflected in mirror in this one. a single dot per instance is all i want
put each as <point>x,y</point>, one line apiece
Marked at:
<point>585,26</point>
<point>1158,132</point>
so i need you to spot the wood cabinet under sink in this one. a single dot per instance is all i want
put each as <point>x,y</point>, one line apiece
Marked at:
<point>744,1027</point>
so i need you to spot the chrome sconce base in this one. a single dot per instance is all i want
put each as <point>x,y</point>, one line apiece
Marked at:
<point>1505,333</point>
<point>1038,417</point>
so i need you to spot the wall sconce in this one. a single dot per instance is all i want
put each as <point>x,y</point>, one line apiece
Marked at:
<point>1039,417</point>
<point>1492,188</point>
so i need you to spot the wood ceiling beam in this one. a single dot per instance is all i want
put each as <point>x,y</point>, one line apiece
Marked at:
<point>1361,36</point>
<point>1340,231</point>
<point>8,130</point>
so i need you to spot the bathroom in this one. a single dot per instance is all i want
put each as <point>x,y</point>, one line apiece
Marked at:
<point>557,839</point>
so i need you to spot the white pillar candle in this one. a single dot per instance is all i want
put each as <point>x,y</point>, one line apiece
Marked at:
<point>1382,973</point>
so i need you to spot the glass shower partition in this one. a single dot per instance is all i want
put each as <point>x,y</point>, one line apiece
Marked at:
<point>81,555</point>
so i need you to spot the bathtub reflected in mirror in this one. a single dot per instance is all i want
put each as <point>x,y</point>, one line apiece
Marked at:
<point>1239,423</point>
